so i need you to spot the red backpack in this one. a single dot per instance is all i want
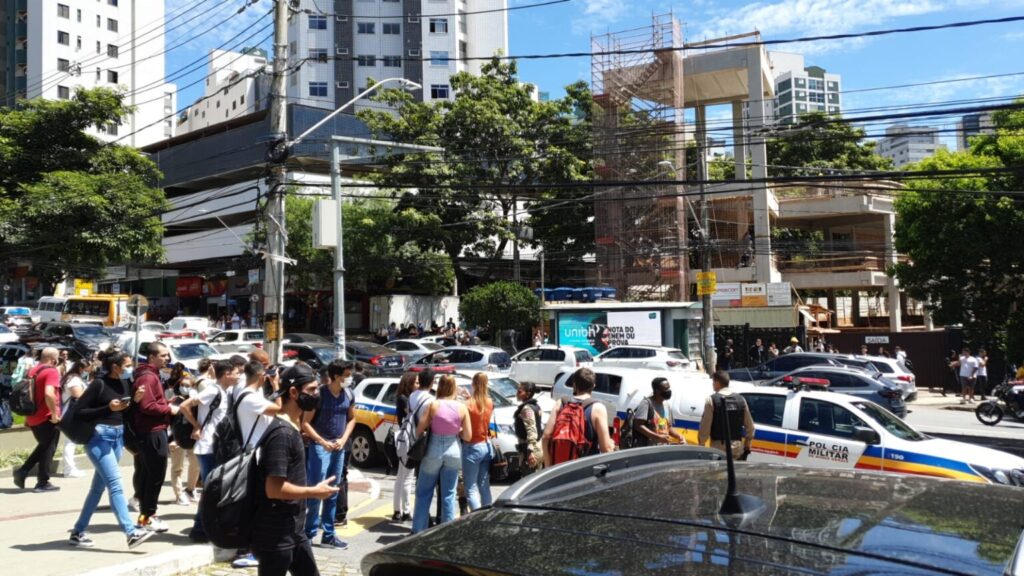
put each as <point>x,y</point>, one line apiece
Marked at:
<point>569,436</point>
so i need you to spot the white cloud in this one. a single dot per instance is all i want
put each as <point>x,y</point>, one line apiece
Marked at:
<point>599,14</point>
<point>1013,36</point>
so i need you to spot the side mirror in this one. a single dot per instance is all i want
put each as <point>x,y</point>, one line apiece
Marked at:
<point>866,435</point>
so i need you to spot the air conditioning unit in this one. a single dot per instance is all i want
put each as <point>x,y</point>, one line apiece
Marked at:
<point>414,19</point>
<point>341,51</point>
<point>341,84</point>
<point>414,52</point>
<point>341,18</point>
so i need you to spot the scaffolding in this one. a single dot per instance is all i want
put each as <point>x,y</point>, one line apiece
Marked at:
<point>639,124</point>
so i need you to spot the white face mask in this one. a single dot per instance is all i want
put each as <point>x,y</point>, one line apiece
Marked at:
<point>347,382</point>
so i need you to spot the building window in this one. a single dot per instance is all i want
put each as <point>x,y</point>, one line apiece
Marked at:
<point>78,43</point>
<point>111,24</point>
<point>813,84</point>
<point>79,14</point>
<point>234,105</point>
<point>818,97</point>
<point>462,49</point>
<point>64,11</point>
<point>438,25</point>
<point>462,21</point>
<point>63,38</point>
<point>63,92</point>
<point>364,60</point>
<point>439,91</point>
<point>392,61</point>
<point>438,57</point>
<point>391,28</point>
<point>241,99</point>
<point>112,76</point>
<point>98,47</point>
<point>112,129</point>
<point>318,54</point>
<point>317,22</point>
<point>112,50</point>
<point>99,75</point>
<point>318,89</point>
<point>366,28</point>
<point>63,64</point>
<point>99,21</point>
<point>112,2</point>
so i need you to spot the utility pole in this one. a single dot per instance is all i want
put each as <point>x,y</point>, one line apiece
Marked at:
<point>515,242</point>
<point>707,318</point>
<point>339,253</point>
<point>273,285</point>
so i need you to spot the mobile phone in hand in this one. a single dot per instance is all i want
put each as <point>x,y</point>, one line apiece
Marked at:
<point>126,399</point>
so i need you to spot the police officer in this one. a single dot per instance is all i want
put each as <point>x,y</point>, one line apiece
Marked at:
<point>730,405</point>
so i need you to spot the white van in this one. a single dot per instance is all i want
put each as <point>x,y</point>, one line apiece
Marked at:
<point>50,308</point>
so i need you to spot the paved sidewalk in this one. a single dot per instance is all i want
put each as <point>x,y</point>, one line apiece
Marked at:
<point>34,530</point>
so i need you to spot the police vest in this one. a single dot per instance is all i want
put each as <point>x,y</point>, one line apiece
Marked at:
<point>735,408</point>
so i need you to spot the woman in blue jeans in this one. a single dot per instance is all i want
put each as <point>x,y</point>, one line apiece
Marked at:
<point>449,422</point>
<point>476,453</point>
<point>103,403</point>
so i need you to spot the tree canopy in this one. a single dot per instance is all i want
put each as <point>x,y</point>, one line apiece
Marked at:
<point>501,305</point>
<point>68,202</point>
<point>818,143</point>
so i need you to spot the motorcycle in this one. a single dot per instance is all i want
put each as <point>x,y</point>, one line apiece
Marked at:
<point>991,412</point>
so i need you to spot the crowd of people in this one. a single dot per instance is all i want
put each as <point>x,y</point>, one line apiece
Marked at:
<point>760,353</point>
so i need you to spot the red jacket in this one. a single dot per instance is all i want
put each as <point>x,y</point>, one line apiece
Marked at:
<point>152,413</point>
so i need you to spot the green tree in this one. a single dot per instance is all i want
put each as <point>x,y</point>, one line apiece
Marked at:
<point>494,136</point>
<point>502,305</point>
<point>818,143</point>
<point>68,202</point>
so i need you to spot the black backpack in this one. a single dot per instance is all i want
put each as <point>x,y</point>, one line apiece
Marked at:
<point>227,436</point>
<point>229,498</point>
<point>23,397</point>
<point>628,436</point>
<point>181,428</point>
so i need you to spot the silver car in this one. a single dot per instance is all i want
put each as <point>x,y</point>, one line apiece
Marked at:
<point>485,358</point>
<point>413,350</point>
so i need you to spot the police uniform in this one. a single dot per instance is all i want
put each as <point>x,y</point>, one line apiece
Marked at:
<point>741,426</point>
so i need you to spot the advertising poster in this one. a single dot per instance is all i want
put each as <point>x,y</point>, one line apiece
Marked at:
<point>780,294</point>
<point>727,295</point>
<point>754,295</point>
<point>597,331</point>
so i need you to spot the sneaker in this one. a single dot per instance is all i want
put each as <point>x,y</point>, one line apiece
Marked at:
<point>19,479</point>
<point>74,474</point>
<point>396,517</point>
<point>246,561</point>
<point>81,540</point>
<point>406,517</point>
<point>184,500</point>
<point>133,505</point>
<point>138,537</point>
<point>152,524</point>
<point>333,542</point>
<point>192,495</point>
<point>46,488</point>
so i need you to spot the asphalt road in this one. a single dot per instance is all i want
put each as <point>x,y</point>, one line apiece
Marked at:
<point>961,425</point>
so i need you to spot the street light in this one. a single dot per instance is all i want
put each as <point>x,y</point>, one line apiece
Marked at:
<point>403,82</point>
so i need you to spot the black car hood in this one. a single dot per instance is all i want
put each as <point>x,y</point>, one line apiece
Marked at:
<point>666,523</point>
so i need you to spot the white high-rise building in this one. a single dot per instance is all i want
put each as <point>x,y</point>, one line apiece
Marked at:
<point>909,144</point>
<point>60,45</point>
<point>237,84</point>
<point>362,39</point>
<point>800,89</point>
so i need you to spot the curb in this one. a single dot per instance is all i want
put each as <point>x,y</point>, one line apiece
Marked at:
<point>177,561</point>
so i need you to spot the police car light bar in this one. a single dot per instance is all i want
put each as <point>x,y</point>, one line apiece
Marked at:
<point>799,381</point>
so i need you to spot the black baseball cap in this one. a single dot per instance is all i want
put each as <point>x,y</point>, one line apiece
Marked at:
<point>297,376</point>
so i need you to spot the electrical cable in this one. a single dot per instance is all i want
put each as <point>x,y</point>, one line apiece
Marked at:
<point>319,12</point>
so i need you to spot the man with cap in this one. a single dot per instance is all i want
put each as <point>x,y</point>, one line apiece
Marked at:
<point>794,346</point>
<point>279,539</point>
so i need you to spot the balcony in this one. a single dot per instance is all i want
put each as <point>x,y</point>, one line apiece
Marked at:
<point>21,57</point>
<point>21,29</point>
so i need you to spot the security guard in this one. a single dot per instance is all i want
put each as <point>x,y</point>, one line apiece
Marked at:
<point>741,425</point>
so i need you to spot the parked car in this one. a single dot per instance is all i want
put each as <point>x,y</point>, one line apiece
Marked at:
<point>785,364</point>
<point>897,372</point>
<point>297,337</point>
<point>87,339</point>
<point>853,381</point>
<point>413,350</point>
<point>6,311</point>
<point>384,360</point>
<point>240,341</point>
<point>507,386</point>
<point>190,322</point>
<point>17,324</point>
<point>544,364</point>
<point>316,354</point>
<point>652,357</point>
<point>188,351</point>
<point>11,352</point>
<point>659,511</point>
<point>7,335</point>
<point>444,341</point>
<point>467,358</point>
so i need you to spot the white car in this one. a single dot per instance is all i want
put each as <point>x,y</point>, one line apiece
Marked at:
<point>240,341</point>
<point>7,335</point>
<point>640,356</point>
<point>413,350</point>
<point>544,364</point>
<point>893,370</point>
<point>188,351</point>
<point>179,323</point>
<point>507,386</point>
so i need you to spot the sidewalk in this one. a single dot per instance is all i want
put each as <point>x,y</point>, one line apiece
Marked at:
<point>937,400</point>
<point>34,530</point>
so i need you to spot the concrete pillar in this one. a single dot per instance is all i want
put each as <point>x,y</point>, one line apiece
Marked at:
<point>763,261</point>
<point>739,150</point>
<point>833,306</point>
<point>893,288</point>
<point>855,306</point>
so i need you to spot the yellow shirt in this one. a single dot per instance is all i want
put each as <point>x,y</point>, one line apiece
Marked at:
<point>1020,373</point>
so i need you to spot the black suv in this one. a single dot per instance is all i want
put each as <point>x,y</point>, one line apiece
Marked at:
<point>656,511</point>
<point>785,364</point>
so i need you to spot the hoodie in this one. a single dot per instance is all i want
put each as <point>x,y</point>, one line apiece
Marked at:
<point>152,413</point>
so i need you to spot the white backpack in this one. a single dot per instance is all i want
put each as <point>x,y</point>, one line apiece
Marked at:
<point>406,435</point>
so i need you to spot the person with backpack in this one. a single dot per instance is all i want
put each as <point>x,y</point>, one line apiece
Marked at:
<point>178,389</point>
<point>72,386</point>
<point>448,421</point>
<point>404,478</point>
<point>43,383</point>
<point>151,417</point>
<point>477,452</point>
<point>528,428</point>
<point>726,408</point>
<point>103,404</point>
<point>279,539</point>
<point>652,421</point>
<point>328,431</point>
<point>580,425</point>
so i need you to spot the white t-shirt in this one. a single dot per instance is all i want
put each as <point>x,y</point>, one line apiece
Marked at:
<point>74,381</point>
<point>250,411</point>
<point>418,396</point>
<point>206,399</point>
<point>968,366</point>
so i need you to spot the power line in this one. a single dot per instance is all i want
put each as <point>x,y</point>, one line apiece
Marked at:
<point>319,12</point>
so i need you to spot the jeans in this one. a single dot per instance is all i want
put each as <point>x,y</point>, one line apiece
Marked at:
<point>297,561</point>
<point>207,462</point>
<point>321,464</point>
<point>104,451</point>
<point>443,461</point>
<point>47,435</point>
<point>153,458</point>
<point>476,473</point>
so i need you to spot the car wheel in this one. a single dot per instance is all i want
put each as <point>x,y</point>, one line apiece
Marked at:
<point>364,448</point>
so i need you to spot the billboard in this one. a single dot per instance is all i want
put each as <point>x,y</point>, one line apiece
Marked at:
<point>780,294</point>
<point>727,294</point>
<point>598,330</point>
<point>754,295</point>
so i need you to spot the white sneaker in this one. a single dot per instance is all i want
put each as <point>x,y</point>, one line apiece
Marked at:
<point>74,474</point>
<point>153,524</point>
<point>184,500</point>
<point>133,505</point>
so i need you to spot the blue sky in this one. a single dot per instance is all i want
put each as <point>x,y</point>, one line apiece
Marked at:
<point>863,63</point>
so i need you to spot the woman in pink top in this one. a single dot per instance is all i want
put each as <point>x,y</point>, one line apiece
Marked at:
<point>449,421</point>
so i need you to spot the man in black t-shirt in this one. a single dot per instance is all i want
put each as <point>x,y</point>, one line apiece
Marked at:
<point>653,421</point>
<point>279,541</point>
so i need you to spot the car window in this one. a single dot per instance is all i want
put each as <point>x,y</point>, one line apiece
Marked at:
<point>500,359</point>
<point>226,337</point>
<point>616,353</point>
<point>801,361</point>
<point>766,409</point>
<point>401,346</point>
<point>676,355</point>
<point>835,379</point>
<point>782,364</point>
<point>192,351</point>
<point>504,386</point>
<point>887,420</point>
<point>821,417</point>
<point>548,355</point>
<point>529,356</point>
<point>583,356</point>
<point>371,391</point>
<point>608,384</point>
<point>390,395</point>
<point>883,367</point>
<point>432,346</point>
<point>254,336</point>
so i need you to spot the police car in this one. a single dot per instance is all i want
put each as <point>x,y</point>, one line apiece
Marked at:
<point>376,414</point>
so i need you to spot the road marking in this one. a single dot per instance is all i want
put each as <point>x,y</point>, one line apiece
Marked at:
<point>363,522</point>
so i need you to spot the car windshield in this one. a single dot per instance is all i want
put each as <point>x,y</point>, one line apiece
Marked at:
<point>326,355</point>
<point>192,351</point>
<point>19,312</point>
<point>466,390</point>
<point>890,422</point>
<point>371,348</point>
<point>90,331</point>
<point>507,387</point>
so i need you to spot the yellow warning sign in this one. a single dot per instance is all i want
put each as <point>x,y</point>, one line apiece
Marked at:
<point>707,283</point>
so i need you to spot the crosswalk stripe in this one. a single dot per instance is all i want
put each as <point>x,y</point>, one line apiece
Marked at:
<point>362,522</point>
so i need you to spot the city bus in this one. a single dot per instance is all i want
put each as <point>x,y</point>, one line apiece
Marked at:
<point>107,309</point>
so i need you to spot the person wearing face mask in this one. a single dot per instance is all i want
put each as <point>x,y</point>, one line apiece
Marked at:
<point>179,388</point>
<point>652,421</point>
<point>329,428</point>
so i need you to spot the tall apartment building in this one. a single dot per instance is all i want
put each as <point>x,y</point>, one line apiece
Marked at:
<point>908,144</point>
<point>420,40</point>
<point>237,83</point>
<point>801,89</point>
<point>972,125</point>
<point>53,47</point>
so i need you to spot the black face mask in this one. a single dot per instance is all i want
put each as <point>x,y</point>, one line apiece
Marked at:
<point>308,402</point>
<point>666,394</point>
